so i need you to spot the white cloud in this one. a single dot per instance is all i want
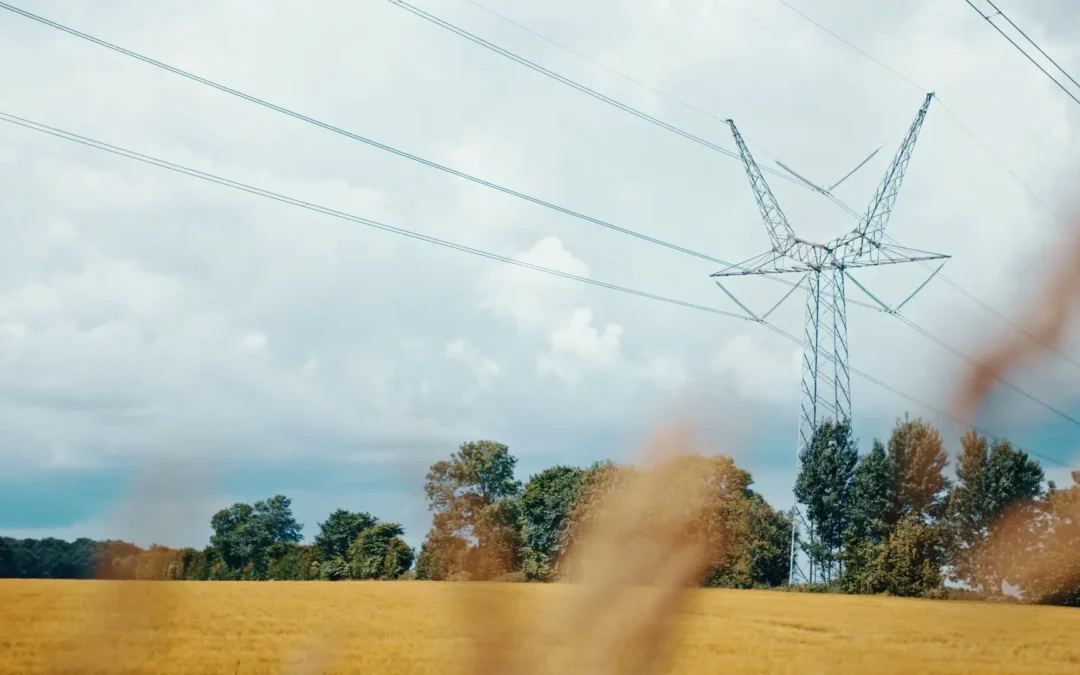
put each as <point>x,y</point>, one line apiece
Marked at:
<point>532,299</point>
<point>761,370</point>
<point>128,295</point>
<point>255,342</point>
<point>667,373</point>
<point>483,368</point>
<point>579,346</point>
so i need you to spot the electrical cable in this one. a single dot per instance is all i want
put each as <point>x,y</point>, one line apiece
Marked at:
<point>382,146</point>
<point>1021,50</point>
<point>470,36</point>
<point>503,52</point>
<point>582,88</point>
<point>1005,16</point>
<point>956,118</point>
<point>244,187</point>
<point>178,168</point>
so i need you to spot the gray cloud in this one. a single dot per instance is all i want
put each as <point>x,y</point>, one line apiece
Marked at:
<point>142,312</point>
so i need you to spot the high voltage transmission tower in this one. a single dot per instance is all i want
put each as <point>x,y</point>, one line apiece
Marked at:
<point>826,379</point>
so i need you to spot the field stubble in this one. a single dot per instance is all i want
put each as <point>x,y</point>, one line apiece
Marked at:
<point>399,628</point>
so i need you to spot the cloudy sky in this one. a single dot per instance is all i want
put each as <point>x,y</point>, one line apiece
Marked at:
<point>168,346</point>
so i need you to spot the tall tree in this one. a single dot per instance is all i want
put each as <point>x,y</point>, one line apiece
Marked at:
<point>339,530</point>
<point>243,534</point>
<point>379,553</point>
<point>990,482</point>
<point>872,494</point>
<point>907,562</point>
<point>545,508</point>
<point>471,495</point>
<point>231,537</point>
<point>1048,569</point>
<point>823,486</point>
<point>918,459</point>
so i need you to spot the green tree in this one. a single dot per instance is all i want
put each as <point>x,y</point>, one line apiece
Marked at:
<point>243,534</point>
<point>823,486</point>
<point>990,482</point>
<point>442,556</point>
<point>275,518</point>
<point>918,459</point>
<point>472,497</point>
<point>231,535</point>
<point>309,564</point>
<point>545,506</point>
<point>339,530</point>
<point>335,569</point>
<point>907,563</point>
<point>399,558</point>
<point>768,545</point>
<point>596,485</point>
<point>378,552</point>
<point>872,494</point>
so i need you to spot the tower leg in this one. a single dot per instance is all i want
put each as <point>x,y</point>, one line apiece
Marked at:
<point>810,404</point>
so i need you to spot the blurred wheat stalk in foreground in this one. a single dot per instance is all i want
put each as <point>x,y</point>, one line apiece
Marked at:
<point>640,552</point>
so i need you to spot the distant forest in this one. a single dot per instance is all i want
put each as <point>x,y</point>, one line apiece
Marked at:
<point>893,521</point>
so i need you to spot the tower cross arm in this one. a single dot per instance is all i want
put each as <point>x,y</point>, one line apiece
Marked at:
<point>781,236</point>
<point>880,209</point>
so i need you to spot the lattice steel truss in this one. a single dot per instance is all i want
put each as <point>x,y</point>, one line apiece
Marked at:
<point>826,380</point>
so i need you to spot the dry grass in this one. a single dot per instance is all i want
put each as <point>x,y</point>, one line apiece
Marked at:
<point>415,627</point>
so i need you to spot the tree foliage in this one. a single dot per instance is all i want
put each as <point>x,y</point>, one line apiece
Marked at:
<point>918,459</point>
<point>475,524</point>
<point>545,506</point>
<point>906,563</point>
<point>889,521</point>
<point>823,486</point>
<point>339,530</point>
<point>991,481</point>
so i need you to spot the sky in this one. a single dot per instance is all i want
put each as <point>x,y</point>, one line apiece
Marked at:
<point>170,346</point>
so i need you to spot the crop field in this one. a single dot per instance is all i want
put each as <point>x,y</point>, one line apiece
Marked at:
<point>400,628</point>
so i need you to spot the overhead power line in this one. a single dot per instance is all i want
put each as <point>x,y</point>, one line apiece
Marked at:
<point>391,149</point>
<point>1020,49</point>
<point>1005,16</point>
<point>865,54</point>
<point>605,98</point>
<point>268,194</point>
<point>603,66</point>
<point>1053,349</point>
<point>383,146</point>
<point>942,102</point>
<point>292,201</point>
<point>463,33</point>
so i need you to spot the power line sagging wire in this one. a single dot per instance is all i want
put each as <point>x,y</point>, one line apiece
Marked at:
<point>944,278</point>
<point>250,189</point>
<point>1049,58</point>
<point>382,146</point>
<point>989,20</point>
<point>944,414</point>
<point>244,187</point>
<point>1054,349</point>
<point>598,64</point>
<point>582,88</point>
<point>503,52</point>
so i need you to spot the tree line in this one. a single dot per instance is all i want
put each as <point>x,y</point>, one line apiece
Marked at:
<point>250,542</point>
<point>893,520</point>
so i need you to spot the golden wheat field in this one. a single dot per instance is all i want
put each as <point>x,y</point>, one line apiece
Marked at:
<point>400,628</point>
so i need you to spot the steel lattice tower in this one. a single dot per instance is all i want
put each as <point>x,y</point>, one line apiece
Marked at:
<point>826,380</point>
